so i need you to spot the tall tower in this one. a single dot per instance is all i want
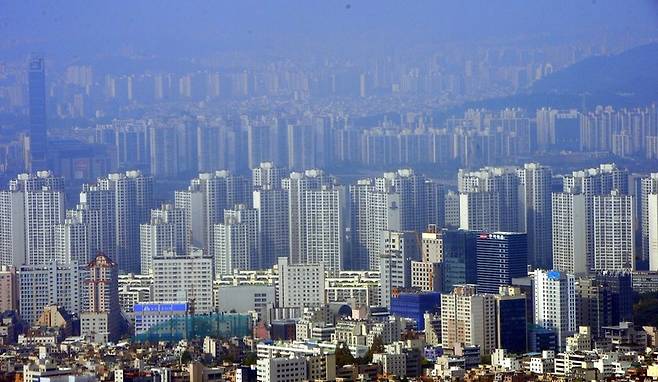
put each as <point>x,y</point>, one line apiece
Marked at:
<point>267,175</point>
<point>37,105</point>
<point>555,303</point>
<point>536,213</point>
<point>131,200</point>
<point>206,199</point>
<point>652,231</point>
<point>649,187</point>
<point>614,232</point>
<point>590,182</point>
<point>298,186</point>
<point>569,232</point>
<point>72,240</point>
<point>399,201</point>
<point>101,319</point>
<point>236,241</point>
<point>271,205</point>
<point>372,211</point>
<point>29,211</point>
<point>468,317</point>
<point>497,190</point>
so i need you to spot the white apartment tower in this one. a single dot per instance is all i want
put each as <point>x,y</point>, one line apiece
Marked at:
<point>124,201</point>
<point>72,240</point>
<point>236,241</point>
<point>316,211</point>
<point>590,182</point>
<point>614,232</point>
<point>49,284</point>
<point>206,199</point>
<point>649,187</point>
<point>536,213</point>
<point>300,285</point>
<point>29,212</point>
<point>271,205</point>
<point>419,198</point>
<point>652,222</point>
<point>166,231</point>
<point>97,211</point>
<point>569,229</point>
<point>267,175</point>
<point>554,296</point>
<point>398,201</point>
<point>498,192</point>
<point>184,278</point>
<point>372,211</point>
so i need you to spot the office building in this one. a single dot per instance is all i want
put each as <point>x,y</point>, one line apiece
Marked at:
<point>501,256</point>
<point>245,298</point>
<point>184,278</point>
<point>101,319</point>
<point>459,258</point>
<point>511,320</point>
<point>150,316</point>
<point>426,276</point>
<point>394,275</point>
<point>451,208</point>
<point>468,317</point>
<point>277,369</point>
<point>603,299</point>
<point>356,288</point>
<point>300,285</point>
<point>431,245</point>
<point>414,305</point>
<point>554,296</point>
<point>38,149</point>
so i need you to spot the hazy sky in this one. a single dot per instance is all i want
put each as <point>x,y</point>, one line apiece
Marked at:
<point>195,27</point>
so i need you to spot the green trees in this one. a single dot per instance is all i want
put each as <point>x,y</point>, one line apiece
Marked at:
<point>343,355</point>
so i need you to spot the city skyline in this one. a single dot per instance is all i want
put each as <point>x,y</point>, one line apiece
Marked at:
<point>314,190</point>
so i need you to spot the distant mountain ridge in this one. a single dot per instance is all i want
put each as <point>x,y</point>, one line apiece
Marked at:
<point>627,79</point>
<point>632,73</point>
